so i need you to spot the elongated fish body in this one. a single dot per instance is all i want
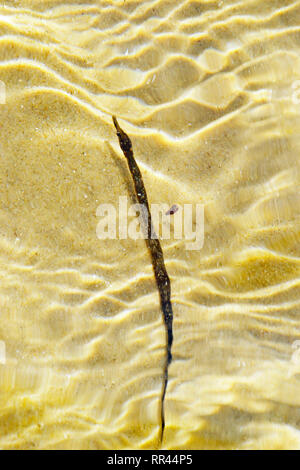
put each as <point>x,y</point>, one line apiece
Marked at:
<point>160,272</point>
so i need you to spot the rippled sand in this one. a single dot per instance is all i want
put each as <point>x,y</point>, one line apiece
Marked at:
<point>208,92</point>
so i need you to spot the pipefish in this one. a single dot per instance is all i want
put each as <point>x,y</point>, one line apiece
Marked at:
<point>157,258</point>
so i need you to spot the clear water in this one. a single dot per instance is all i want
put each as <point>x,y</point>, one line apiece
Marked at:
<point>209,93</point>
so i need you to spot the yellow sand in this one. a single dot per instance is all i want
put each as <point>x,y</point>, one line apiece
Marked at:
<point>209,92</point>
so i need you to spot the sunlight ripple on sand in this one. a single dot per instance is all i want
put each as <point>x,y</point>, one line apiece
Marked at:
<point>207,90</point>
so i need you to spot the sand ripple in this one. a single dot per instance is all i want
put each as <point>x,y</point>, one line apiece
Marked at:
<point>208,92</point>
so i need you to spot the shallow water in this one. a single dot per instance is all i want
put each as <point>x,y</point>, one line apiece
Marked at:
<point>209,93</point>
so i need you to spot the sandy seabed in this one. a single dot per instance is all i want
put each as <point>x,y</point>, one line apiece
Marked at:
<point>209,92</point>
